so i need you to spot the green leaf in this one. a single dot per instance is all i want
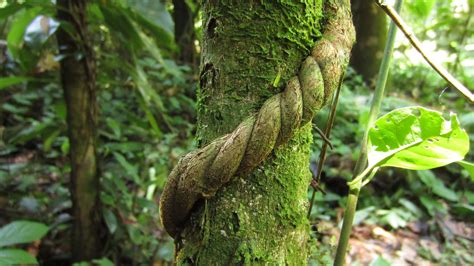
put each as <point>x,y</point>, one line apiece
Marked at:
<point>48,142</point>
<point>120,22</point>
<point>469,167</point>
<point>37,129</point>
<point>110,220</point>
<point>10,81</point>
<point>161,36</point>
<point>380,261</point>
<point>437,186</point>
<point>464,211</point>
<point>432,205</point>
<point>103,262</point>
<point>15,257</point>
<point>131,169</point>
<point>21,232</point>
<point>9,10</point>
<point>416,138</point>
<point>15,35</point>
<point>420,8</point>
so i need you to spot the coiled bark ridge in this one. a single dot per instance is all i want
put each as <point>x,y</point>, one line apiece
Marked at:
<point>201,173</point>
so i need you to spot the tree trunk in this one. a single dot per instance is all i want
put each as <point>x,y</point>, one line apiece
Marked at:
<point>371,31</point>
<point>259,218</point>
<point>78,81</point>
<point>184,32</point>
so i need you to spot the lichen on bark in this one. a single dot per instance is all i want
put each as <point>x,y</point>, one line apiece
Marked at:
<point>259,218</point>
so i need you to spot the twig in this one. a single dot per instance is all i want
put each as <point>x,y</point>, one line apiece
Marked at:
<point>392,13</point>
<point>323,136</point>
<point>322,154</point>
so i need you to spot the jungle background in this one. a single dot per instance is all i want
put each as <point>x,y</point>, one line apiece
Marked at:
<point>147,58</point>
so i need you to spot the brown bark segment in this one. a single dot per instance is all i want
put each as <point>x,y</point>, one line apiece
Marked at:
<point>78,81</point>
<point>371,30</point>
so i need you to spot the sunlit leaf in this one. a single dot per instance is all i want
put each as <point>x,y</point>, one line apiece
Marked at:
<point>15,257</point>
<point>416,138</point>
<point>21,232</point>
<point>420,8</point>
<point>17,31</point>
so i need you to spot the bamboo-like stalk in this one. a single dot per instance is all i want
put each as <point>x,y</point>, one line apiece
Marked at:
<point>393,14</point>
<point>362,160</point>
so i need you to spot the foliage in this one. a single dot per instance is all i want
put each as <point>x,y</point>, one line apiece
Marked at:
<point>19,232</point>
<point>416,138</point>
<point>147,121</point>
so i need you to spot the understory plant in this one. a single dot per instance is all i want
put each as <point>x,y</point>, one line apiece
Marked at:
<point>413,138</point>
<point>19,232</point>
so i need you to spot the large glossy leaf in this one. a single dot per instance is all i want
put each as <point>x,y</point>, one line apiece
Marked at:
<point>21,232</point>
<point>15,257</point>
<point>416,138</point>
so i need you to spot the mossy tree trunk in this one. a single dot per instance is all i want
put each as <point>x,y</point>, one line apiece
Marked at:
<point>259,218</point>
<point>371,34</point>
<point>78,81</point>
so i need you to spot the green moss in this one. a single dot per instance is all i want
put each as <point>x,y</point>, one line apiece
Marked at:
<point>260,218</point>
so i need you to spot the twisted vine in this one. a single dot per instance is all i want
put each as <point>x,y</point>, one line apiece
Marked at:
<point>201,173</point>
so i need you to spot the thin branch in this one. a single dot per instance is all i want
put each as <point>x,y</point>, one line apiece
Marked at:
<point>392,13</point>
<point>322,154</point>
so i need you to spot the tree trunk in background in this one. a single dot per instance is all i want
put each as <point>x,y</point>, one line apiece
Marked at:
<point>78,81</point>
<point>371,33</point>
<point>260,218</point>
<point>184,32</point>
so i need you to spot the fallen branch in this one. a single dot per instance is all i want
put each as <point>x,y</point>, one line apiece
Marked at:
<point>392,13</point>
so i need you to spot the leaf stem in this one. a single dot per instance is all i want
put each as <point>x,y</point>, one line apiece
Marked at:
<point>362,160</point>
<point>393,14</point>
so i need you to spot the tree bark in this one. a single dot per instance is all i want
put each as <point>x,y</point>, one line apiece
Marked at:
<point>78,81</point>
<point>184,32</point>
<point>371,34</point>
<point>259,218</point>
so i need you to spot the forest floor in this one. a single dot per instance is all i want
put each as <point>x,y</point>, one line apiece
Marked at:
<point>412,245</point>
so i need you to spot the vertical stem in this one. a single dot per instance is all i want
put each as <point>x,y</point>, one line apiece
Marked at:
<point>362,160</point>
<point>78,82</point>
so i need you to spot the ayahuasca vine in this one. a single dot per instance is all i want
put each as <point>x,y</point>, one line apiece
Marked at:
<point>201,173</point>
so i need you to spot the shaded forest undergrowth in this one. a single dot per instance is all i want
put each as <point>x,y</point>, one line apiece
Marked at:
<point>147,121</point>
